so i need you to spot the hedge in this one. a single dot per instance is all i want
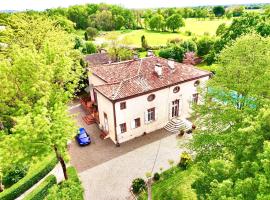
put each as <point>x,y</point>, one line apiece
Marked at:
<point>72,174</point>
<point>70,189</point>
<point>35,174</point>
<point>41,191</point>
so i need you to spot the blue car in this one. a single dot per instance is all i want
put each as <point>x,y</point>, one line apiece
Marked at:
<point>82,137</point>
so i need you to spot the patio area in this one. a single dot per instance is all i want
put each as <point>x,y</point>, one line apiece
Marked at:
<point>106,171</point>
<point>102,150</point>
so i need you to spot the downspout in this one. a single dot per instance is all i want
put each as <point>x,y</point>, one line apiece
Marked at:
<point>115,130</point>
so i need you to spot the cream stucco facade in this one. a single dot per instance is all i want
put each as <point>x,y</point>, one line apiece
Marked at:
<point>111,115</point>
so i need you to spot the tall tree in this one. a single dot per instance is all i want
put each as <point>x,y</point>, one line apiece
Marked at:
<point>104,20</point>
<point>174,22</point>
<point>157,22</point>
<point>39,73</point>
<point>78,14</point>
<point>234,123</point>
<point>219,11</point>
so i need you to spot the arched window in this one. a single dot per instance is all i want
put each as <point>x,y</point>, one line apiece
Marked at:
<point>151,97</point>
<point>176,89</point>
<point>196,83</point>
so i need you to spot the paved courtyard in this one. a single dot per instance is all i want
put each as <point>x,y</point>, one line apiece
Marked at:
<point>106,171</point>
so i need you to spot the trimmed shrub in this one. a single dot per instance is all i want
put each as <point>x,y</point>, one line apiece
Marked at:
<point>70,189</point>
<point>156,176</point>
<point>138,185</point>
<point>174,41</point>
<point>42,190</point>
<point>171,194</point>
<point>14,174</point>
<point>189,45</point>
<point>90,33</point>
<point>185,160</point>
<point>34,175</point>
<point>72,174</point>
<point>89,48</point>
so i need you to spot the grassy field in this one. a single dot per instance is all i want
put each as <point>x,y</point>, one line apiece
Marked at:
<point>133,37</point>
<point>172,180</point>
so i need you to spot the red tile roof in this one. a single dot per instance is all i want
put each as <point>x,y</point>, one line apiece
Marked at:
<point>135,77</point>
<point>97,58</point>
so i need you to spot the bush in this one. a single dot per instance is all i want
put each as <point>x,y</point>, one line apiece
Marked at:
<point>72,174</point>
<point>70,189</point>
<point>156,176</point>
<point>175,52</point>
<point>171,194</point>
<point>13,175</point>
<point>144,43</point>
<point>188,33</point>
<point>89,48</point>
<point>174,41</point>
<point>34,175</point>
<point>138,185</point>
<point>91,33</point>
<point>185,160</point>
<point>189,45</point>
<point>41,191</point>
<point>205,45</point>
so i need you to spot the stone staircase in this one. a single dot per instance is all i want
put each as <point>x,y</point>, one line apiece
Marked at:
<point>176,124</point>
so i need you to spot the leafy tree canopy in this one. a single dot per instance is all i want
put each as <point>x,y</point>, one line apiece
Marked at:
<point>39,72</point>
<point>232,147</point>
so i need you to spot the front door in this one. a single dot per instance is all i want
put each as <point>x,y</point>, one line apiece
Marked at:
<point>106,124</point>
<point>175,108</point>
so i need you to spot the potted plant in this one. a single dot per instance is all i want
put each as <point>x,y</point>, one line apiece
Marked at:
<point>182,132</point>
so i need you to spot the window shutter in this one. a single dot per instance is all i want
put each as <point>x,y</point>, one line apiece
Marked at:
<point>180,105</point>
<point>132,124</point>
<point>190,101</point>
<point>170,110</point>
<point>146,117</point>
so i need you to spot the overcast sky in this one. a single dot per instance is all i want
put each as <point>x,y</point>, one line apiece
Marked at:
<point>44,4</point>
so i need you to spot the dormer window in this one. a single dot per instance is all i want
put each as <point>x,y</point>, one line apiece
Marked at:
<point>151,97</point>
<point>196,83</point>
<point>123,105</point>
<point>176,89</point>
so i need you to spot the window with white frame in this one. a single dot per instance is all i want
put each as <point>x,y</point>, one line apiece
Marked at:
<point>123,128</point>
<point>136,123</point>
<point>195,98</point>
<point>150,115</point>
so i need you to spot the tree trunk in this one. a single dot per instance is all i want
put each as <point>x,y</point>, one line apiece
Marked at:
<point>62,162</point>
<point>2,187</point>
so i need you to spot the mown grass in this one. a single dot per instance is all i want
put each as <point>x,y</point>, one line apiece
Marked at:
<point>175,179</point>
<point>195,26</point>
<point>204,66</point>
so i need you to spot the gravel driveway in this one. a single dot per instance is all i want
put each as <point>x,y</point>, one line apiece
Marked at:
<point>106,171</point>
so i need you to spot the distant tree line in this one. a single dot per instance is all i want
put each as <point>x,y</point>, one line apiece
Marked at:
<point>100,16</point>
<point>209,47</point>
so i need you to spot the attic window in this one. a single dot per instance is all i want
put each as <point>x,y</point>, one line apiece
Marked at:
<point>196,83</point>
<point>151,97</point>
<point>176,89</point>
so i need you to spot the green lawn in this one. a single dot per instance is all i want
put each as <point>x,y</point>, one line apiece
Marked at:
<point>195,26</point>
<point>172,180</point>
<point>199,27</point>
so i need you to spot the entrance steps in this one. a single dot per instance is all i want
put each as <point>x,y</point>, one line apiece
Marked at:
<point>177,124</point>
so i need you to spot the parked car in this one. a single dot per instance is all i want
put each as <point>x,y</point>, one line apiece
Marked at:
<point>83,137</point>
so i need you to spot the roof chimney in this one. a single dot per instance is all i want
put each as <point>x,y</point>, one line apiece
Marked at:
<point>150,53</point>
<point>158,69</point>
<point>103,50</point>
<point>171,63</point>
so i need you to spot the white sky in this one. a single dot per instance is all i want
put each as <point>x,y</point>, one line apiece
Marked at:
<point>43,4</point>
